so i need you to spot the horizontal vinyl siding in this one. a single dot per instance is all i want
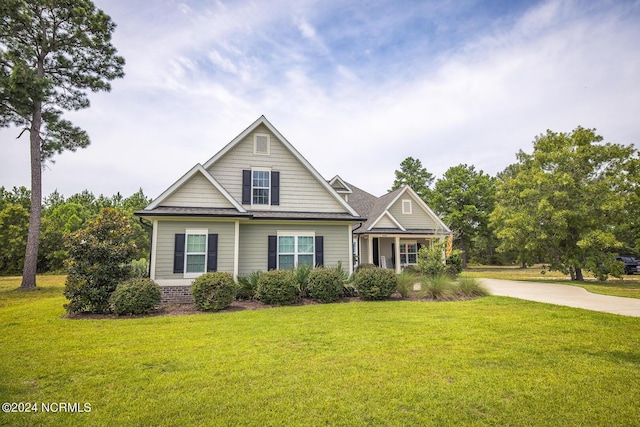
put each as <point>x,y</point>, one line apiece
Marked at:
<point>254,241</point>
<point>417,219</point>
<point>299,190</point>
<point>385,222</point>
<point>165,244</point>
<point>197,192</point>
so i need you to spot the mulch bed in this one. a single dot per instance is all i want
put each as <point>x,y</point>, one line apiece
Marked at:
<point>238,305</point>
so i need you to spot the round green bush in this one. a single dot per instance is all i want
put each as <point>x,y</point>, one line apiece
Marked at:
<point>325,285</point>
<point>278,287</point>
<point>135,296</point>
<point>213,291</point>
<point>375,283</point>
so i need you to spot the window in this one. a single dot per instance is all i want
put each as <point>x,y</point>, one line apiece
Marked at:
<point>295,250</point>
<point>406,206</point>
<point>260,187</point>
<point>408,253</point>
<point>261,144</point>
<point>196,252</point>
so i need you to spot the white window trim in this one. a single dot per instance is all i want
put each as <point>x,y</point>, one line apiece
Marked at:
<point>262,205</point>
<point>255,144</point>
<point>406,254</point>
<point>186,254</point>
<point>406,203</point>
<point>295,254</point>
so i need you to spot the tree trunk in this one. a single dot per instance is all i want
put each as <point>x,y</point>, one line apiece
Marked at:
<point>33,238</point>
<point>579,277</point>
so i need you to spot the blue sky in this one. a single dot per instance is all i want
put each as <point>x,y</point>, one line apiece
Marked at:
<point>355,86</point>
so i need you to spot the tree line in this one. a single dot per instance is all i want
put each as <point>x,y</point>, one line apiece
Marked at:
<point>573,203</point>
<point>60,218</point>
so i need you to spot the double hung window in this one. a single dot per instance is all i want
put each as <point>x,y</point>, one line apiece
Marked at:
<point>196,252</point>
<point>261,187</point>
<point>408,253</point>
<point>295,250</point>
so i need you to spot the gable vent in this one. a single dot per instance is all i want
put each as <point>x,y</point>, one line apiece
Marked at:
<point>261,144</point>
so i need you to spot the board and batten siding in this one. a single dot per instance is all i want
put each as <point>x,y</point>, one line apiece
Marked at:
<point>254,240</point>
<point>418,219</point>
<point>197,192</point>
<point>299,189</point>
<point>166,240</point>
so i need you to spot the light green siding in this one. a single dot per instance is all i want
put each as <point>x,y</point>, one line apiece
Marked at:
<point>197,192</point>
<point>418,219</point>
<point>165,241</point>
<point>254,240</point>
<point>300,191</point>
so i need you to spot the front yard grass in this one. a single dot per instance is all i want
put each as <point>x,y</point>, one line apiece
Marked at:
<point>628,286</point>
<point>490,361</point>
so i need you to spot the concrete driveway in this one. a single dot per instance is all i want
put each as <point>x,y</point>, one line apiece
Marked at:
<point>571,296</point>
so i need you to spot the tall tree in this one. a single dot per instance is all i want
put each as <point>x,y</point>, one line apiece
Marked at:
<point>416,176</point>
<point>566,201</point>
<point>51,53</point>
<point>465,197</point>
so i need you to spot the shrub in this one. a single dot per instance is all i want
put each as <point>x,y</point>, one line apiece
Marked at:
<point>213,291</point>
<point>278,287</point>
<point>99,258</point>
<point>366,267</point>
<point>470,288</point>
<point>248,285</point>
<point>431,259</point>
<point>406,280</point>
<point>136,296</point>
<point>438,287</point>
<point>376,283</point>
<point>325,284</point>
<point>454,263</point>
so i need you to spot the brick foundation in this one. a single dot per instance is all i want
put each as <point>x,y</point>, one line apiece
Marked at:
<point>176,295</point>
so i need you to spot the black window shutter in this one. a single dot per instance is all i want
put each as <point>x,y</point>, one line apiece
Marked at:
<point>275,188</point>
<point>212,253</point>
<point>178,254</point>
<point>246,187</point>
<point>272,253</point>
<point>319,251</point>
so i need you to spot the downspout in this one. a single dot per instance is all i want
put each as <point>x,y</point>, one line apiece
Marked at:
<point>150,228</point>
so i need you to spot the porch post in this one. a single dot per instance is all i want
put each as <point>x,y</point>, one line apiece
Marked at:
<point>370,249</point>
<point>397,255</point>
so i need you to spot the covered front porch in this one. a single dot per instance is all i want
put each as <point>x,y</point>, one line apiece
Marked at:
<point>392,251</point>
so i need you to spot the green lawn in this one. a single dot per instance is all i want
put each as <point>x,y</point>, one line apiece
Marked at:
<point>491,361</point>
<point>628,286</point>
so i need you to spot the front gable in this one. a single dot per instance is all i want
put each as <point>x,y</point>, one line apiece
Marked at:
<point>196,189</point>
<point>388,222</point>
<point>197,192</point>
<point>262,148</point>
<point>412,213</point>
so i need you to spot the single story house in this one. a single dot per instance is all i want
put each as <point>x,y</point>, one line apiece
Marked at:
<point>258,204</point>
